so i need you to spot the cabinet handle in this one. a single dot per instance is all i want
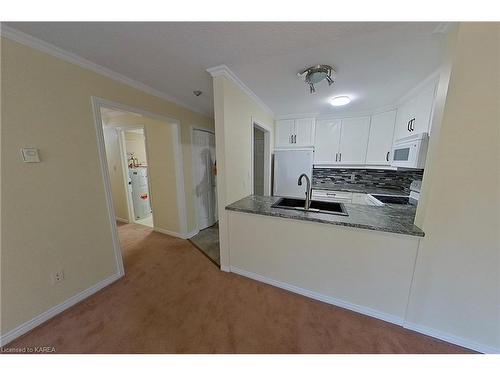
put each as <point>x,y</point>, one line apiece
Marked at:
<point>291,139</point>
<point>408,126</point>
<point>387,156</point>
<point>336,156</point>
<point>340,156</point>
<point>295,138</point>
<point>412,123</point>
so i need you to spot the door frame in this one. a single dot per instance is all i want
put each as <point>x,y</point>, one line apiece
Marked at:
<point>267,155</point>
<point>123,156</point>
<point>96,104</point>
<point>193,176</point>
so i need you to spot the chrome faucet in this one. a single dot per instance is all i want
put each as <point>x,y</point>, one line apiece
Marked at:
<point>308,190</point>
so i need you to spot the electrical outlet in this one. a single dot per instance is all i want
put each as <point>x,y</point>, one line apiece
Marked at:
<point>57,277</point>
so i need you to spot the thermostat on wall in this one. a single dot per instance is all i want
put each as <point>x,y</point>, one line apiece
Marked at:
<point>30,155</point>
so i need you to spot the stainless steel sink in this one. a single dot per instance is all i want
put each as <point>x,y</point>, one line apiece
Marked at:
<point>332,208</point>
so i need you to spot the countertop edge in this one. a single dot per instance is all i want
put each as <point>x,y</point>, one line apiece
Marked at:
<point>318,220</point>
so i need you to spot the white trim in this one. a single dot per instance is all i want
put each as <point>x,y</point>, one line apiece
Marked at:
<point>223,70</point>
<point>184,235</point>
<point>40,45</point>
<point>122,220</point>
<point>466,343</point>
<point>194,128</point>
<point>123,160</point>
<point>53,311</point>
<point>96,109</point>
<point>320,297</point>
<point>179,176</point>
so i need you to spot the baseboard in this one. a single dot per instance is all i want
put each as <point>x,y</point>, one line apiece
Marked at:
<point>53,311</point>
<point>469,344</point>
<point>320,297</point>
<point>192,233</point>
<point>121,220</point>
<point>184,236</point>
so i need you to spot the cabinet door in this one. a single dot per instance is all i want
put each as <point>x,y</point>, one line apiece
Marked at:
<point>304,132</point>
<point>404,115</point>
<point>326,141</point>
<point>284,131</point>
<point>354,140</point>
<point>380,138</point>
<point>423,110</point>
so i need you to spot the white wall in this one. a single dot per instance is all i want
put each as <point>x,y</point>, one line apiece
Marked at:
<point>456,288</point>
<point>235,112</point>
<point>366,270</point>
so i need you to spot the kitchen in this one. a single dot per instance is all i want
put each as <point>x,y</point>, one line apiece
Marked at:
<point>363,173</point>
<point>343,222</point>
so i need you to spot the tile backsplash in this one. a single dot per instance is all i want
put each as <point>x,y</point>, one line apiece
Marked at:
<point>398,180</point>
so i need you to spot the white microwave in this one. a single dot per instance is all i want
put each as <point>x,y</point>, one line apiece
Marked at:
<point>410,152</point>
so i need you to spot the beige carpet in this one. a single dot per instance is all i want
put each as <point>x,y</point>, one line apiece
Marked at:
<point>175,300</point>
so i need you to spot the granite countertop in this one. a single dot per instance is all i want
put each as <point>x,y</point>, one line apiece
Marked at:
<point>359,189</point>
<point>392,218</point>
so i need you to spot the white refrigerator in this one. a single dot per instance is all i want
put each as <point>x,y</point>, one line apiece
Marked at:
<point>288,166</point>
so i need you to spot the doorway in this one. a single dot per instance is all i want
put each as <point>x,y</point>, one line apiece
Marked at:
<point>204,177</point>
<point>205,183</point>
<point>261,160</point>
<point>137,176</point>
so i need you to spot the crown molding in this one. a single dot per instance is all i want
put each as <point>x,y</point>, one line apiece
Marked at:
<point>223,70</point>
<point>50,49</point>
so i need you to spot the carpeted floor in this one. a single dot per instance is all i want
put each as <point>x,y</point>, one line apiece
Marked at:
<point>174,300</point>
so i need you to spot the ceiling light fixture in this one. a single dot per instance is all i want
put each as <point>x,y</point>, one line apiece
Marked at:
<point>340,100</point>
<point>316,74</point>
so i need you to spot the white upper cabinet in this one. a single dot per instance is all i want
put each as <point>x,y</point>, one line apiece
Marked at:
<point>423,109</point>
<point>380,139</point>
<point>304,132</point>
<point>295,133</point>
<point>284,131</point>
<point>414,116</point>
<point>354,140</point>
<point>327,141</point>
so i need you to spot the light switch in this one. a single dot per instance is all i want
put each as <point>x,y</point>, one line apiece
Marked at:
<point>30,155</point>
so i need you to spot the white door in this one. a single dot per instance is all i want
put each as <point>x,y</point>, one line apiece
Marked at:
<point>354,140</point>
<point>327,140</point>
<point>304,132</point>
<point>204,179</point>
<point>380,139</point>
<point>284,131</point>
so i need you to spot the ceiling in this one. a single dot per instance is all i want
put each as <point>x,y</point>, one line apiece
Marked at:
<point>376,63</point>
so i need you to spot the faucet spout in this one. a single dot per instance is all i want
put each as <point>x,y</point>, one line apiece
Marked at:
<point>308,190</point>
